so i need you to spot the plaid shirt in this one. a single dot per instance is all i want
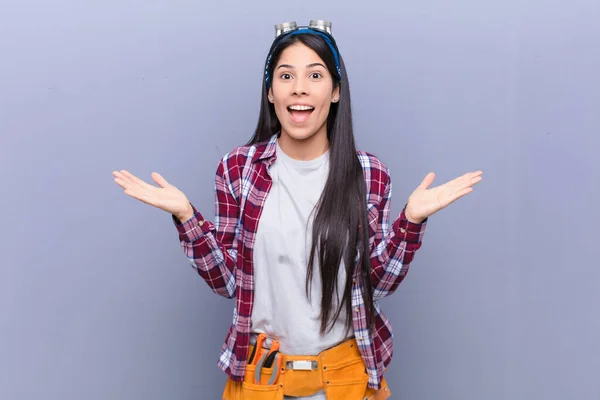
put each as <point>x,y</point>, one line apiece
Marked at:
<point>222,252</point>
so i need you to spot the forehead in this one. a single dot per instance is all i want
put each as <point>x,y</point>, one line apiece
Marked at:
<point>298,54</point>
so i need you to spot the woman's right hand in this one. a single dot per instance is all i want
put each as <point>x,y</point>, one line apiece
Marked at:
<point>165,197</point>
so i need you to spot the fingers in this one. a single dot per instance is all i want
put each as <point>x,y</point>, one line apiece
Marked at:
<point>128,175</point>
<point>464,185</point>
<point>124,184</point>
<point>135,187</point>
<point>125,178</point>
<point>474,178</point>
<point>457,195</point>
<point>129,181</point>
<point>160,181</point>
<point>132,189</point>
<point>122,180</point>
<point>469,180</point>
<point>138,192</point>
<point>465,181</point>
<point>427,181</point>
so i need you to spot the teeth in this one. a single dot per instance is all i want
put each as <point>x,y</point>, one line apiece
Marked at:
<point>300,108</point>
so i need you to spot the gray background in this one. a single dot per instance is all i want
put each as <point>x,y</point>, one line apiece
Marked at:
<point>97,301</point>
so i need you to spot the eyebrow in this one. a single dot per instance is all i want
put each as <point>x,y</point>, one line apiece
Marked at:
<point>308,66</point>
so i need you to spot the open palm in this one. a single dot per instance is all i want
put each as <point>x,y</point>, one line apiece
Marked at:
<point>166,196</point>
<point>425,201</point>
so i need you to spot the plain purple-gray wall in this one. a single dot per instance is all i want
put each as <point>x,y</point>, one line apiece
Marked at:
<point>97,301</point>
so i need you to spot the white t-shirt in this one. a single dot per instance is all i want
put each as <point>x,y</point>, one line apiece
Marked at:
<point>281,251</point>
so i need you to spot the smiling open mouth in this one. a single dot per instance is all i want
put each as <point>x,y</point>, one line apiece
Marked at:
<point>300,113</point>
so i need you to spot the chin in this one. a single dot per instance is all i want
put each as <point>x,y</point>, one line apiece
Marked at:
<point>301,133</point>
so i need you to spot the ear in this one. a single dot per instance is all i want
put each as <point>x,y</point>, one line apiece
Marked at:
<point>270,95</point>
<point>335,96</point>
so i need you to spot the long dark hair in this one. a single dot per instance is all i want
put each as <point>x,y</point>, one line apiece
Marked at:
<point>340,226</point>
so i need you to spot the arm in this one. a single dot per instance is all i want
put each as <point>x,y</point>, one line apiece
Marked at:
<point>393,249</point>
<point>212,248</point>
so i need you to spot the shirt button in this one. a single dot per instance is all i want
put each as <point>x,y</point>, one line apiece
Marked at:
<point>356,309</point>
<point>402,230</point>
<point>359,339</point>
<point>200,223</point>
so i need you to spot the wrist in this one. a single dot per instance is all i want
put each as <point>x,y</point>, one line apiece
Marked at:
<point>186,215</point>
<point>411,218</point>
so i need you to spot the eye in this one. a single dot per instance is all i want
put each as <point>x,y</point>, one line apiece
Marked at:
<point>316,75</point>
<point>286,76</point>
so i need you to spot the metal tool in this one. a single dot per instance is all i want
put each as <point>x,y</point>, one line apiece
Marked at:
<point>273,356</point>
<point>260,340</point>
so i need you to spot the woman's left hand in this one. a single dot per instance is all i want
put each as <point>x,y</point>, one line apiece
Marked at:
<point>424,202</point>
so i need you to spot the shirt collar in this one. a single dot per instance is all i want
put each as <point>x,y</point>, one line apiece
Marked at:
<point>266,150</point>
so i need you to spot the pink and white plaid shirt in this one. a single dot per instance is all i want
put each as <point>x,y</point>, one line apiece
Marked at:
<point>222,252</point>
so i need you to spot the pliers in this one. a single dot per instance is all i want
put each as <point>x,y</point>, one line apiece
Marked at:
<point>268,359</point>
<point>260,340</point>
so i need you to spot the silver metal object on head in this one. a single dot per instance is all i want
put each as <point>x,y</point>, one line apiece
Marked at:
<point>280,29</point>
<point>321,25</point>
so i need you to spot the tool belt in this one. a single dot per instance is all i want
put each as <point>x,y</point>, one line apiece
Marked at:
<point>270,374</point>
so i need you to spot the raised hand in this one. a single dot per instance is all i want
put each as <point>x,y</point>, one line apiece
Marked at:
<point>165,197</point>
<point>425,201</point>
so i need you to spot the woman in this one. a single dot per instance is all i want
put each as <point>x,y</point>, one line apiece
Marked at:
<point>302,238</point>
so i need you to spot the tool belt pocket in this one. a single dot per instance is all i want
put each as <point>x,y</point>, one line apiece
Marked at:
<point>348,371</point>
<point>345,380</point>
<point>264,390</point>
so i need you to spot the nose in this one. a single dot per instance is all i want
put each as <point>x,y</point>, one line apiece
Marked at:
<point>300,87</point>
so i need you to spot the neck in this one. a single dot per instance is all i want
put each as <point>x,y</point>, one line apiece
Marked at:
<point>304,149</point>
